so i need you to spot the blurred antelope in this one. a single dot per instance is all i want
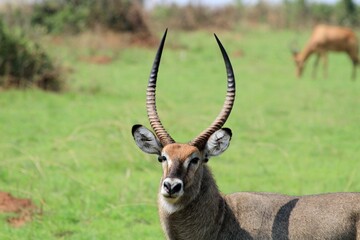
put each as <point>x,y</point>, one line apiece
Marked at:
<point>191,206</point>
<point>326,38</point>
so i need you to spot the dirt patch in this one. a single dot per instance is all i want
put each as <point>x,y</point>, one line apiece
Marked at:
<point>22,208</point>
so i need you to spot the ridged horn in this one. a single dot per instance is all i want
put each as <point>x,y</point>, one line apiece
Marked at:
<point>201,140</point>
<point>153,116</point>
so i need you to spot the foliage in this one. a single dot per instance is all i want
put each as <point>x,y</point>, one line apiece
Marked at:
<point>322,12</point>
<point>193,17</point>
<point>73,16</point>
<point>119,15</point>
<point>347,13</point>
<point>60,16</point>
<point>23,63</point>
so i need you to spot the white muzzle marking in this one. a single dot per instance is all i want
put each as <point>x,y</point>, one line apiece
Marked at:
<point>172,189</point>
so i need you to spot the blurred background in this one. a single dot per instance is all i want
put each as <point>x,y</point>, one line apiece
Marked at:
<point>73,75</point>
<point>139,22</point>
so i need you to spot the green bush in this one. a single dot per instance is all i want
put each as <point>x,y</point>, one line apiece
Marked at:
<point>193,17</point>
<point>73,16</point>
<point>23,63</point>
<point>59,17</point>
<point>322,12</point>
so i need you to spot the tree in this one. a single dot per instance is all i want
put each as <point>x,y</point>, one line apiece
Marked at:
<point>347,12</point>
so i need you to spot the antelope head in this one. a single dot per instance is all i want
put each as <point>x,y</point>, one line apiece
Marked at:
<point>183,163</point>
<point>297,58</point>
<point>299,66</point>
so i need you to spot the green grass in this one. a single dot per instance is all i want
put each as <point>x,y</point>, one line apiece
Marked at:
<point>73,153</point>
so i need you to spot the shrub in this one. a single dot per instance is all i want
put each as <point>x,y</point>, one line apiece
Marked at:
<point>59,16</point>
<point>24,64</point>
<point>73,16</point>
<point>192,17</point>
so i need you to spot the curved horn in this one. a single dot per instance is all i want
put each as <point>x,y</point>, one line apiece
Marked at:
<point>200,141</point>
<point>153,116</point>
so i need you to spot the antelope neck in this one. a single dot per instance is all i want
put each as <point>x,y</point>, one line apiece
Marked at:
<point>206,209</point>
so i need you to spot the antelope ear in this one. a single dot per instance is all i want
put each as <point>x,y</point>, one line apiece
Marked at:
<point>146,140</point>
<point>218,142</point>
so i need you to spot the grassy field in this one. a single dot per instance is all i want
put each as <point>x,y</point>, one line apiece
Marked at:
<point>73,153</point>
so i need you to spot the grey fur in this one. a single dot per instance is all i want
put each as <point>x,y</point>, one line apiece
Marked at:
<point>202,212</point>
<point>250,215</point>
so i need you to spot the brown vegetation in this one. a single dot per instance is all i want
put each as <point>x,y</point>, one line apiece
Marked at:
<point>22,209</point>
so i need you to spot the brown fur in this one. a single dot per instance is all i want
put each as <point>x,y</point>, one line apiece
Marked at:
<point>180,151</point>
<point>326,38</point>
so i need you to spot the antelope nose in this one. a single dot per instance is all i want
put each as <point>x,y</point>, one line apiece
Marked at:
<point>172,186</point>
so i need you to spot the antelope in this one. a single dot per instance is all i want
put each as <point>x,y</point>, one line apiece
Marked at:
<point>191,206</point>
<point>324,39</point>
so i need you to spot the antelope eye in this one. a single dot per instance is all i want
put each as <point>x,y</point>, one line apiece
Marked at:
<point>161,158</point>
<point>194,161</point>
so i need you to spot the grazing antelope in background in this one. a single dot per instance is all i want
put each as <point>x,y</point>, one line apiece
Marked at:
<point>326,38</point>
<point>191,206</point>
